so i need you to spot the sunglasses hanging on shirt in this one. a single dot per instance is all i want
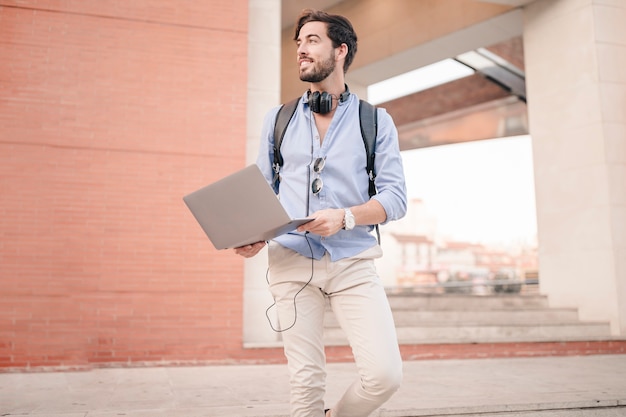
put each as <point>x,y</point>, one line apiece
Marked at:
<point>318,184</point>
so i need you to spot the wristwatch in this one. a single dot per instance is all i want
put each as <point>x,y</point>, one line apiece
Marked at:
<point>348,219</point>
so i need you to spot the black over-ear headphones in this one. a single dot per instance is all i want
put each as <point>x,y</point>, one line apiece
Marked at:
<point>323,102</point>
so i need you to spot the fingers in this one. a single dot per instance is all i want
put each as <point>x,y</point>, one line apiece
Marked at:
<point>327,222</point>
<point>249,251</point>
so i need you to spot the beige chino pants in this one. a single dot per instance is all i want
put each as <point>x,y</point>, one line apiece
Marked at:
<point>360,305</point>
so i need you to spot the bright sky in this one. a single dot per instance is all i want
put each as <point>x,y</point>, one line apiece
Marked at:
<point>417,80</point>
<point>479,191</point>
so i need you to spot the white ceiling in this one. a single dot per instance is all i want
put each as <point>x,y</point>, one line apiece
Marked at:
<point>489,32</point>
<point>292,8</point>
<point>515,3</point>
<point>494,30</point>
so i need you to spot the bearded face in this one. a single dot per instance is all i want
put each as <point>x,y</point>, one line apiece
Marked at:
<point>319,70</point>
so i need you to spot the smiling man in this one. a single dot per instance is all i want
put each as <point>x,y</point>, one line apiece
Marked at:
<point>331,259</point>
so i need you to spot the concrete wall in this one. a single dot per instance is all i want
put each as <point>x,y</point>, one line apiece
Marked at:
<point>575,58</point>
<point>263,93</point>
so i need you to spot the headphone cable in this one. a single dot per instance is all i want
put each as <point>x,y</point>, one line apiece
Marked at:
<point>295,307</point>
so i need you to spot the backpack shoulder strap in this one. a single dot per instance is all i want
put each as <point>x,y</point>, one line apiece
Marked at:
<point>284,115</point>
<point>368,116</point>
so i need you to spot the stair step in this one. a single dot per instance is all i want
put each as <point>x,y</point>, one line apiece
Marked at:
<point>482,333</point>
<point>491,317</point>
<point>612,411</point>
<point>466,318</point>
<point>465,302</point>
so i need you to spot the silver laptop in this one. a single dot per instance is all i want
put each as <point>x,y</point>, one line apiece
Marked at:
<point>240,209</point>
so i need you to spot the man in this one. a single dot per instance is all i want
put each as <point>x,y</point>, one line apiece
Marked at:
<point>332,257</point>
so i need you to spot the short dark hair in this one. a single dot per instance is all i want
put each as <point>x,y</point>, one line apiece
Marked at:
<point>339,30</point>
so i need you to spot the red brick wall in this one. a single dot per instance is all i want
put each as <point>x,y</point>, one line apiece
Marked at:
<point>111,111</point>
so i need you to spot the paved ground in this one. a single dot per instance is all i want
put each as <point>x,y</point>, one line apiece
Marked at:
<point>554,386</point>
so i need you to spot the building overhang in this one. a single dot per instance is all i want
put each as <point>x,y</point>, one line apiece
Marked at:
<point>488,104</point>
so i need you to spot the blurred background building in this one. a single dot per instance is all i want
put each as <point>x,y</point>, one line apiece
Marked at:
<point>111,111</point>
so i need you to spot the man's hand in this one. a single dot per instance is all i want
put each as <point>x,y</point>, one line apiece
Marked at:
<point>327,222</point>
<point>249,251</point>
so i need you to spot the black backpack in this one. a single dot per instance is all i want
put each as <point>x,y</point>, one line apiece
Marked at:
<point>368,118</point>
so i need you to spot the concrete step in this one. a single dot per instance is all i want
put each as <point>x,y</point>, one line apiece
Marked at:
<point>613,411</point>
<point>464,318</point>
<point>405,318</point>
<point>465,302</point>
<point>581,409</point>
<point>484,333</point>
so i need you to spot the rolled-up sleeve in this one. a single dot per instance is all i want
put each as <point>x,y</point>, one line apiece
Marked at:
<point>390,181</point>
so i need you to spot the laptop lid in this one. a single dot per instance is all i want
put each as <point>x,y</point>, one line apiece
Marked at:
<point>240,209</point>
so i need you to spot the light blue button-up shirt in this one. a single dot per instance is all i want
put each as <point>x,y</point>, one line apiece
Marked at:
<point>344,176</point>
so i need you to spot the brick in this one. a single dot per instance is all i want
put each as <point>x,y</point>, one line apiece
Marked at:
<point>112,112</point>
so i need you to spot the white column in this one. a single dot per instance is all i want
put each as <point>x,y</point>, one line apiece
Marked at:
<point>263,93</point>
<point>575,59</point>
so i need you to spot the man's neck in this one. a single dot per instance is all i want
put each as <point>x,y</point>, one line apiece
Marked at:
<point>334,85</point>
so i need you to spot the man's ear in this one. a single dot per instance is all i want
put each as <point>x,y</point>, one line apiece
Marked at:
<point>341,52</point>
